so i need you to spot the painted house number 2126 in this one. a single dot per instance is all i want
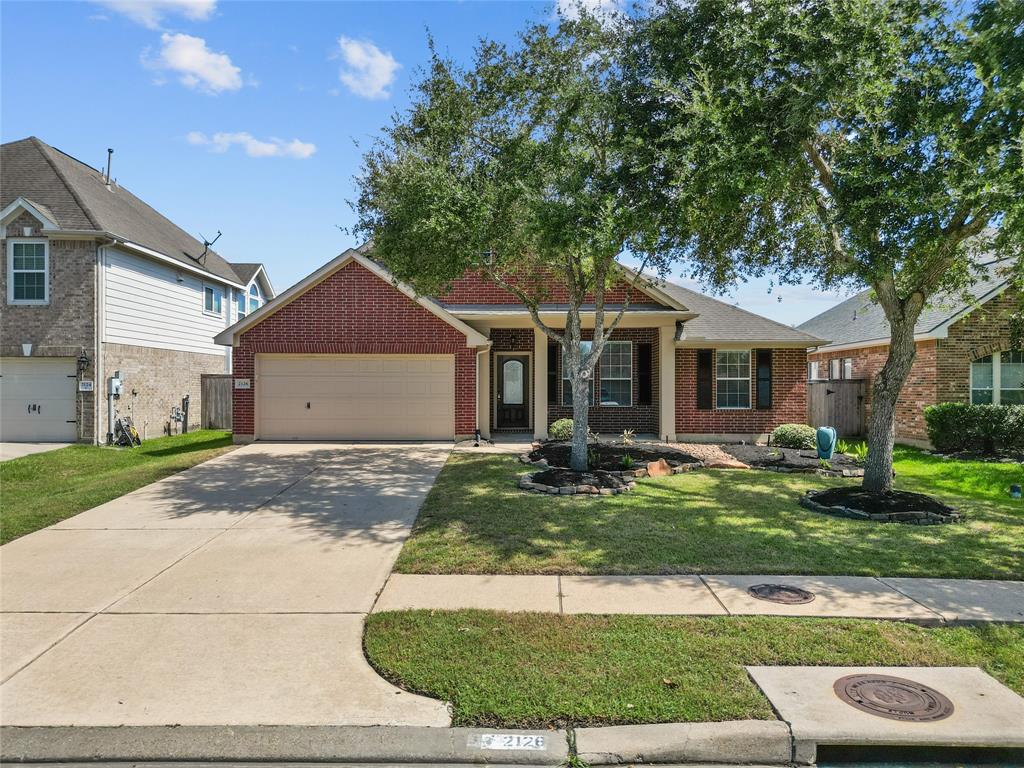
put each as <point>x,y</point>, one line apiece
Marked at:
<point>511,741</point>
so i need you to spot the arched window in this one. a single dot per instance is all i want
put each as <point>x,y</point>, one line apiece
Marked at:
<point>998,378</point>
<point>255,298</point>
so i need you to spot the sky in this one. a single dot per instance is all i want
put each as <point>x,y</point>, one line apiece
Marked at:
<point>250,118</point>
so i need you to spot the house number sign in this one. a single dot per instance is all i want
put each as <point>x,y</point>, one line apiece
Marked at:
<point>85,385</point>
<point>243,383</point>
<point>531,741</point>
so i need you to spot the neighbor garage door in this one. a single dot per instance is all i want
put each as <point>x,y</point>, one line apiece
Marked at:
<point>355,397</point>
<point>37,400</point>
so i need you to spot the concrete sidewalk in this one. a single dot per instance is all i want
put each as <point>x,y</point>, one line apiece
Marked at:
<point>229,594</point>
<point>921,601</point>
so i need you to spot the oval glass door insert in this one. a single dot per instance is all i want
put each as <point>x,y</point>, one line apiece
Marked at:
<point>512,382</point>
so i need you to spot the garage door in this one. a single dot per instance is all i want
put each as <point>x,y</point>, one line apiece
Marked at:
<point>355,397</point>
<point>37,400</point>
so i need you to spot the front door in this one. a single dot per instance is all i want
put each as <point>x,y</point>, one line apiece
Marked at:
<point>513,392</point>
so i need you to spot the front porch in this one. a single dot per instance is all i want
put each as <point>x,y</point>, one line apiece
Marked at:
<point>521,389</point>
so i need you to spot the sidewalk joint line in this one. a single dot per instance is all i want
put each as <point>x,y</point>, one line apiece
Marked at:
<point>713,594</point>
<point>881,580</point>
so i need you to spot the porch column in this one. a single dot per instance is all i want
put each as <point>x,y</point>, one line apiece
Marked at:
<point>540,384</point>
<point>667,382</point>
<point>483,391</point>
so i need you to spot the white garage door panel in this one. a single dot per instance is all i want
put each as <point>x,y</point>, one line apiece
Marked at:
<point>355,397</point>
<point>37,400</point>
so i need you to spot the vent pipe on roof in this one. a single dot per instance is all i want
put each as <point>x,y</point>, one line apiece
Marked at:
<point>110,153</point>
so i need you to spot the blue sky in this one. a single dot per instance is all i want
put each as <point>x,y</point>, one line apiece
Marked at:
<point>250,117</point>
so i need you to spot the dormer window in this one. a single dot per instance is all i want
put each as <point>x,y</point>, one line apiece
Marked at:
<point>255,298</point>
<point>28,263</point>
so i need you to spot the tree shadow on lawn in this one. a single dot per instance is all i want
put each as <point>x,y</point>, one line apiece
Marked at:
<point>713,521</point>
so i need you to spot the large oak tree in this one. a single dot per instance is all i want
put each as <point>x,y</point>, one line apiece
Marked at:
<point>520,167</point>
<point>855,142</point>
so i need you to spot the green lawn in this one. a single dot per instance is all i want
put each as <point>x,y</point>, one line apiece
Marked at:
<point>537,670</point>
<point>45,488</point>
<point>476,521</point>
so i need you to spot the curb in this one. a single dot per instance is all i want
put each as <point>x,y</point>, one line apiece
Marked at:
<point>763,742</point>
<point>284,743</point>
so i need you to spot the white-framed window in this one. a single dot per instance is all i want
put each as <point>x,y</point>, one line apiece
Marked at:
<point>255,297</point>
<point>213,300</point>
<point>240,304</point>
<point>814,371</point>
<point>847,367</point>
<point>835,368</point>
<point>585,347</point>
<point>617,374</point>
<point>28,272</point>
<point>733,379</point>
<point>998,379</point>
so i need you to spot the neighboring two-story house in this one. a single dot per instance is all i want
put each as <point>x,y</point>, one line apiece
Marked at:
<point>351,353</point>
<point>95,281</point>
<point>964,354</point>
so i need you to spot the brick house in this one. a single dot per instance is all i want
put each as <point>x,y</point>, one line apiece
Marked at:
<point>95,281</point>
<point>963,349</point>
<point>350,353</point>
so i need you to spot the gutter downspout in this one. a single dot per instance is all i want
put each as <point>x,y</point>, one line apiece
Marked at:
<point>98,301</point>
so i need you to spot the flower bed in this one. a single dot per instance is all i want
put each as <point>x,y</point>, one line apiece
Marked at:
<point>883,507</point>
<point>800,460</point>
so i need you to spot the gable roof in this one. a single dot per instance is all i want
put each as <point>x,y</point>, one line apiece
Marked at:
<point>78,200</point>
<point>717,321</point>
<point>228,336</point>
<point>861,321</point>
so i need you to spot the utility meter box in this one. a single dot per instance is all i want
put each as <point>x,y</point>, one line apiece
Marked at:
<point>114,385</point>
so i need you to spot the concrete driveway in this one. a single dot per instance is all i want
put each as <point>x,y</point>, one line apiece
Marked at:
<point>10,451</point>
<point>233,593</point>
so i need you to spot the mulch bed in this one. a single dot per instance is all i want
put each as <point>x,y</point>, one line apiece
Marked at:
<point>608,456</point>
<point>794,460</point>
<point>883,507</point>
<point>1000,457</point>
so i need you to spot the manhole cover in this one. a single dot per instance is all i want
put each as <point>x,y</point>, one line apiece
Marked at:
<point>780,593</point>
<point>894,698</point>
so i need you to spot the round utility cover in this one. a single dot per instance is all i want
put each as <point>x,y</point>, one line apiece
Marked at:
<point>893,698</point>
<point>780,593</point>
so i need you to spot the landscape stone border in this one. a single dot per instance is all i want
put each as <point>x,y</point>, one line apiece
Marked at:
<point>910,517</point>
<point>627,476</point>
<point>819,471</point>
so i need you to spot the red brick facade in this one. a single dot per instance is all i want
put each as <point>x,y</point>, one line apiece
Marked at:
<point>789,397</point>
<point>941,370</point>
<point>613,419</point>
<point>354,312</point>
<point>476,289</point>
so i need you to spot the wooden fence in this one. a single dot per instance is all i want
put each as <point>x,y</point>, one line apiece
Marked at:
<point>838,404</point>
<point>216,394</point>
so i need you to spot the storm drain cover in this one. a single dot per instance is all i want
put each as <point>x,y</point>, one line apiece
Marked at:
<point>894,698</point>
<point>780,593</point>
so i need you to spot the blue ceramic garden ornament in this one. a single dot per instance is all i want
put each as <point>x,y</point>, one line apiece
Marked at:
<point>825,438</point>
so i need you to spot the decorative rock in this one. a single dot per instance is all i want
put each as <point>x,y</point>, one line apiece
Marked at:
<point>659,468</point>
<point>607,491</point>
<point>586,489</point>
<point>567,490</point>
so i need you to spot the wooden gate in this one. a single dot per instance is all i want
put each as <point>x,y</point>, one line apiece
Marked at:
<point>838,404</point>
<point>216,394</point>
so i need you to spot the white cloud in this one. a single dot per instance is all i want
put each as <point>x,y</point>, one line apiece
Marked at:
<point>272,147</point>
<point>150,13</point>
<point>197,66</point>
<point>570,9</point>
<point>368,70</point>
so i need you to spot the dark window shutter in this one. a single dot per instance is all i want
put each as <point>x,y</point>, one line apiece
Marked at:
<point>704,379</point>
<point>644,394</point>
<point>764,378</point>
<point>552,374</point>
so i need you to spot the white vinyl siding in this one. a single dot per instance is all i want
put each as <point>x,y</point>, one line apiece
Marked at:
<point>151,305</point>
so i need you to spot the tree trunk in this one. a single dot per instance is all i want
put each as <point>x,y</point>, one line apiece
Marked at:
<point>885,392</point>
<point>578,383</point>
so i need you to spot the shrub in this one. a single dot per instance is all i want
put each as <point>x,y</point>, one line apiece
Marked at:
<point>793,436</point>
<point>561,430</point>
<point>956,427</point>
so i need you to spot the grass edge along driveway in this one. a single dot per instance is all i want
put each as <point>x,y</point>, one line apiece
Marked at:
<point>531,670</point>
<point>45,488</point>
<point>475,520</point>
